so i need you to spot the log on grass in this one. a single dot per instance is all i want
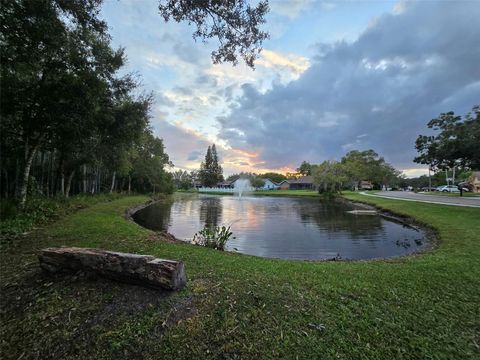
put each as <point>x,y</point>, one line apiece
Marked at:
<point>132,268</point>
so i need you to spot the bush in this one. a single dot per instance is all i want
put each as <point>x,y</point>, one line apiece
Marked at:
<point>214,237</point>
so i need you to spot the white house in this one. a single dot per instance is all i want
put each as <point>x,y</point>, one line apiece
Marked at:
<point>269,185</point>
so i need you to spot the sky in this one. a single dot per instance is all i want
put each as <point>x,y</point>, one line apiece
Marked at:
<point>334,76</point>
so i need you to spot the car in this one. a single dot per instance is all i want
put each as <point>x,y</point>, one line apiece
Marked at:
<point>448,188</point>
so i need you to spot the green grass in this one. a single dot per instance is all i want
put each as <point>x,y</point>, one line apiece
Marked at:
<point>236,306</point>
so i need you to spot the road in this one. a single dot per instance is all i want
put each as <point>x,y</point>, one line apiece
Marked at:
<point>433,199</point>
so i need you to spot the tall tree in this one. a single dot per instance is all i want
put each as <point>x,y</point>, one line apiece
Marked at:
<point>235,24</point>
<point>330,176</point>
<point>210,170</point>
<point>368,165</point>
<point>53,52</point>
<point>456,143</point>
<point>305,168</point>
<point>216,167</point>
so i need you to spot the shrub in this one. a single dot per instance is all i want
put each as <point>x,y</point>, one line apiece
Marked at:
<point>214,237</point>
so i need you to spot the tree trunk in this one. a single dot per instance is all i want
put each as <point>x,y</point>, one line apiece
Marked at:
<point>62,178</point>
<point>17,175</point>
<point>143,270</point>
<point>113,182</point>
<point>42,172</point>
<point>26,174</point>
<point>129,184</point>
<point>122,185</point>
<point>69,183</point>
<point>84,178</point>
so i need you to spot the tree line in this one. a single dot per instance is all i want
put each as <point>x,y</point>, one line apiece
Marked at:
<point>354,167</point>
<point>71,122</point>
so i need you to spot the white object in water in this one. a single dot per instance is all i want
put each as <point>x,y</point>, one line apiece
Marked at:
<point>362,212</point>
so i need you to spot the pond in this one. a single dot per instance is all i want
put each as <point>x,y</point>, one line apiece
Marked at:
<point>285,227</point>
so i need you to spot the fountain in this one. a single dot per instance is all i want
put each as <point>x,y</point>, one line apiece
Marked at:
<point>242,186</point>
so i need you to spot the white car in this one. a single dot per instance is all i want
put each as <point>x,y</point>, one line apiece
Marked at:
<point>448,188</point>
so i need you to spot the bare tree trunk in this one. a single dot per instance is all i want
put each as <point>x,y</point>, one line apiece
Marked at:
<point>26,174</point>
<point>84,178</point>
<point>69,183</point>
<point>62,178</point>
<point>129,184</point>
<point>17,175</point>
<point>42,172</point>
<point>113,181</point>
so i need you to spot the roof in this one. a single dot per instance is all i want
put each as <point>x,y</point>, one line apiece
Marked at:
<point>224,183</point>
<point>302,180</point>
<point>273,182</point>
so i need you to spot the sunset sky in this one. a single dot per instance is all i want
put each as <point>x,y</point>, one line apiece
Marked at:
<point>334,76</point>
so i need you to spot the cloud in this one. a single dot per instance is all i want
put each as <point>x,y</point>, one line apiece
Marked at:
<point>290,8</point>
<point>403,70</point>
<point>293,63</point>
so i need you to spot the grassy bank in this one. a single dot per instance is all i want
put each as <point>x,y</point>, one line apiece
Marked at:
<point>237,306</point>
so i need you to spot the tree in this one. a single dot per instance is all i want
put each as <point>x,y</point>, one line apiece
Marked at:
<point>70,123</point>
<point>330,176</point>
<point>53,52</point>
<point>216,167</point>
<point>182,179</point>
<point>275,177</point>
<point>210,169</point>
<point>257,182</point>
<point>456,145</point>
<point>368,165</point>
<point>305,168</point>
<point>235,23</point>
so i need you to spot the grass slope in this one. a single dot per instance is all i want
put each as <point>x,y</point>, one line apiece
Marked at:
<point>238,306</point>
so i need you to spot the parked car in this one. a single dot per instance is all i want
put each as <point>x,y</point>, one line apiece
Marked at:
<point>448,188</point>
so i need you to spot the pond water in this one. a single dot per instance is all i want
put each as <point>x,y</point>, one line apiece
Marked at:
<point>285,227</point>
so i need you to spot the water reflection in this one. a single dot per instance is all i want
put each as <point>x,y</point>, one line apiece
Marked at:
<point>211,211</point>
<point>294,228</point>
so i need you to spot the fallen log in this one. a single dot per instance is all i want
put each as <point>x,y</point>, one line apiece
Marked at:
<point>144,270</point>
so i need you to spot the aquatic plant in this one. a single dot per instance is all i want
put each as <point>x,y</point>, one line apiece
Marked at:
<point>214,237</point>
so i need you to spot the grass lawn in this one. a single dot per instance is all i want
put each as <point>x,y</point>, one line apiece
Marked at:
<point>236,306</point>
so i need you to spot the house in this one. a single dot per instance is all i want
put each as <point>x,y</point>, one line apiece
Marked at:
<point>284,185</point>
<point>269,185</point>
<point>225,185</point>
<point>474,182</point>
<point>302,183</point>
<point>365,185</point>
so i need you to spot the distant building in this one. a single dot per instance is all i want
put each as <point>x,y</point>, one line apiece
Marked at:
<point>225,185</point>
<point>302,183</point>
<point>269,185</point>
<point>284,185</point>
<point>365,185</point>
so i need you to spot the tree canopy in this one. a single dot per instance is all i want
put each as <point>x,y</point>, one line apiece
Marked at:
<point>211,172</point>
<point>456,142</point>
<point>234,23</point>
<point>65,108</point>
<point>305,168</point>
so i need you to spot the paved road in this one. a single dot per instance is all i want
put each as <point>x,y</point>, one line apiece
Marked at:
<point>435,199</point>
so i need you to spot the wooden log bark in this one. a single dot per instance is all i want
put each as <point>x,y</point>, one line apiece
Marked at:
<point>132,268</point>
